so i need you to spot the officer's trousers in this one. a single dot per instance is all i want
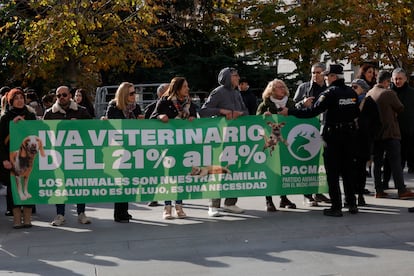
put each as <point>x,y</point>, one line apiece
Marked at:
<point>338,157</point>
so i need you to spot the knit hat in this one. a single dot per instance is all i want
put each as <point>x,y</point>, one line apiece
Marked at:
<point>363,84</point>
<point>12,93</point>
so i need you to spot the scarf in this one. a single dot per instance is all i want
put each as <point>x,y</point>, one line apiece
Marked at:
<point>183,107</point>
<point>129,112</point>
<point>279,103</point>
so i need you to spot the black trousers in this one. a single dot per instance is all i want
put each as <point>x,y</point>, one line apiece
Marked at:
<point>120,209</point>
<point>338,158</point>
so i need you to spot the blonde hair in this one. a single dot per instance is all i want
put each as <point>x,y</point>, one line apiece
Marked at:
<point>122,94</point>
<point>271,87</point>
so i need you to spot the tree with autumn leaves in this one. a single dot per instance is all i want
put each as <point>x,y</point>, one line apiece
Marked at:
<point>75,41</point>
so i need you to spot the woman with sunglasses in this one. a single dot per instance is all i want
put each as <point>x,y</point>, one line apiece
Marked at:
<point>175,104</point>
<point>123,106</point>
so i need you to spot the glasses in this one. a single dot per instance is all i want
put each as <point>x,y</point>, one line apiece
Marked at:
<point>355,86</point>
<point>64,95</point>
<point>316,73</point>
<point>132,93</point>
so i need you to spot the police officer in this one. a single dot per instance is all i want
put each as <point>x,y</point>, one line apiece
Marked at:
<point>339,133</point>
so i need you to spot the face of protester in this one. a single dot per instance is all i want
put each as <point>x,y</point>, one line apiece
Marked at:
<point>399,79</point>
<point>279,91</point>
<point>235,78</point>
<point>317,75</point>
<point>369,74</point>
<point>358,89</point>
<point>243,86</point>
<point>184,91</point>
<point>18,101</point>
<point>131,95</point>
<point>63,96</point>
<point>78,97</point>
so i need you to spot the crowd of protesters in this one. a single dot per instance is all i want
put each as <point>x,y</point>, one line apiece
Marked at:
<point>369,122</point>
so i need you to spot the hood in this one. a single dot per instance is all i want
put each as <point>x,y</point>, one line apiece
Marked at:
<point>224,77</point>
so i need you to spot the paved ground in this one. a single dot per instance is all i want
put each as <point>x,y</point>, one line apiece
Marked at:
<point>377,241</point>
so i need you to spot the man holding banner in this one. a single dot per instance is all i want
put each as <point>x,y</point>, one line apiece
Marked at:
<point>66,109</point>
<point>226,101</point>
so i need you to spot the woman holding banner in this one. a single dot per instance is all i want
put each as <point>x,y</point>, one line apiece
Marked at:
<point>123,106</point>
<point>275,96</point>
<point>175,104</point>
<point>17,111</point>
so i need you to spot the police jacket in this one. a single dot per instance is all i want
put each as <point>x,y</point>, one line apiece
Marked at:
<point>340,103</point>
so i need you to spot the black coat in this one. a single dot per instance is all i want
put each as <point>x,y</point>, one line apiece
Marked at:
<point>165,106</point>
<point>114,113</point>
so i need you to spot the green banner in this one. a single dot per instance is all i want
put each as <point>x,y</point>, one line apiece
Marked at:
<point>90,161</point>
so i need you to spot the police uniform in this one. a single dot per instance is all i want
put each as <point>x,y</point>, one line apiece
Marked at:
<point>339,133</point>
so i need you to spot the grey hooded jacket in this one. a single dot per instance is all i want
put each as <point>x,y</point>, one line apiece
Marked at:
<point>223,97</point>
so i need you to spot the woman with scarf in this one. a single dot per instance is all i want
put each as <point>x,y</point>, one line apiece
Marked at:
<point>175,103</point>
<point>275,96</point>
<point>16,111</point>
<point>123,106</point>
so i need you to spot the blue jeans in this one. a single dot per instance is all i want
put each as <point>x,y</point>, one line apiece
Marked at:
<point>60,208</point>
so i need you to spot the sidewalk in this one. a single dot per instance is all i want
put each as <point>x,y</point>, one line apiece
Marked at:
<point>377,241</point>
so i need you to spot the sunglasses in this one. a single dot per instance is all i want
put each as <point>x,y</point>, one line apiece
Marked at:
<point>64,95</point>
<point>355,86</point>
<point>132,93</point>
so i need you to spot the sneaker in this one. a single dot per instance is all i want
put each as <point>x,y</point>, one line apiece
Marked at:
<point>411,210</point>
<point>332,212</point>
<point>270,207</point>
<point>286,203</point>
<point>310,202</point>
<point>179,211</point>
<point>58,220</point>
<point>167,212</point>
<point>213,212</point>
<point>406,195</point>
<point>322,198</point>
<point>233,209</point>
<point>83,219</point>
<point>153,204</point>
<point>381,195</point>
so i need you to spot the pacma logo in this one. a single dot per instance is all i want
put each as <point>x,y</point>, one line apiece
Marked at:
<point>304,142</point>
